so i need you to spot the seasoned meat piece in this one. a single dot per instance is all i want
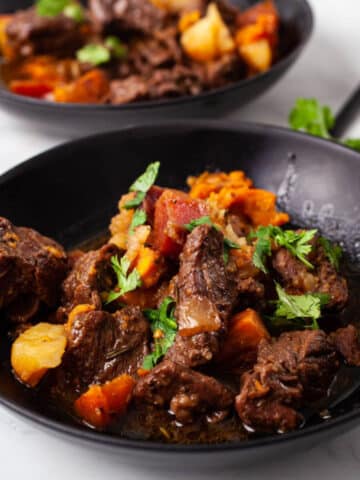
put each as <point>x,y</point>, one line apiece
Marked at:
<point>205,298</point>
<point>347,343</point>
<point>102,346</point>
<point>298,279</point>
<point>126,15</point>
<point>30,34</point>
<point>32,268</point>
<point>229,68</point>
<point>186,393</point>
<point>291,371</point>
<point>173,82</point>
<point>128,90</point>
<point>91,275</point>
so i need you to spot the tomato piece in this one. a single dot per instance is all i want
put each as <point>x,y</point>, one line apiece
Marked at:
<point>173,210</point>
<point>30,88</point>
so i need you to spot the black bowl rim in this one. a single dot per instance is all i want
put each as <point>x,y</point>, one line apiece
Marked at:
<point>95,437</point>
<point>10,97</point>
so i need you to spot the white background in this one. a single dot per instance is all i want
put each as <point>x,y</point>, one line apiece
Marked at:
<point>329,70</point>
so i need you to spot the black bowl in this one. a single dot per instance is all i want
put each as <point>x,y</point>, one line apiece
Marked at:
<point>70,193</point>
<point>297,24</point>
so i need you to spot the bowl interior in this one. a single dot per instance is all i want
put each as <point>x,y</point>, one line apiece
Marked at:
<point>71,192</point>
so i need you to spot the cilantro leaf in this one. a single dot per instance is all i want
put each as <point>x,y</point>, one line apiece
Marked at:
<point>309,116</point>
<point>75,11</point>
<point>291,309</point>
<point>197,222</point>
<point>138,219</point>
<point>296,242</point>
<point>93,53</point>
<point>115,45</point>
<point>333,252</point>
<point>353,143</point>
<point>51,8</point>
<point>135,202</point>
<point>125,282</point>
<point>147,179</point>
<point>164,327</point>
<point>264,236</point>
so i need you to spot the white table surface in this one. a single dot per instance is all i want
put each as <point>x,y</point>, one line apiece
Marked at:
<point>329,69</point>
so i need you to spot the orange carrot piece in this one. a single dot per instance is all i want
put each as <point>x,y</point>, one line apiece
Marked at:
<point>100,403</point>
<point>246,330</point>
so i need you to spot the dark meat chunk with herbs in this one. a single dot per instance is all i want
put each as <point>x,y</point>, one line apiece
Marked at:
<point>91,275</point>
<point>347,343</point>
<point>126,15</point>
<point>297,279</point>
<point>185,393</point>
<point>31,34</point>
<point>205,295</point>
<point>102,346</point>
<point>32,268</point>
<point>290,372</point>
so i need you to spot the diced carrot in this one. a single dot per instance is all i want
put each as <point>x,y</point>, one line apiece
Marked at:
<point>100,403</point>
<point>265,17</point>
<point>150,265</point>
<point>246,330</point>
<point>207,183</point>
<point>173,210</point>
<point>187,19</point>
<point>29,88</point>
<point>92,87</point>
<point>4,20</point>
<point>258,205</point>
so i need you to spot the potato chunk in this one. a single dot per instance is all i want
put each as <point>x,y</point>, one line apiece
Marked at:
<point>209,38</point>
<point>36,350</point>
<point>257,55</point>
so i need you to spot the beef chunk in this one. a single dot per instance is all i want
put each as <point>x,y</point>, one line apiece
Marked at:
<point>186,393</point>
<point>347,343</point>
<point>101,346</point>
<point>174,82</point>
<point>30,34</point>
<point>126,15</point>
<point>91,275</point>
<point>290,372</point>
<point>128,90</point>
<point>298,279</point>
<point>32,268</point>
<point>205,296</point>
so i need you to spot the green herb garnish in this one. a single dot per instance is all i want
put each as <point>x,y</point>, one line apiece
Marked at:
<point>311,117</point>
<point>228,244</point>
<point>293,309</point>
<point>138,219</point>
<point>296,242</point>
<point>95,54</point>
<point>126,282</point>
<point>142,185</point>
<point>53,8</point>
<point>333,252</point>
<point>117,48</point>
<point>164,327</point>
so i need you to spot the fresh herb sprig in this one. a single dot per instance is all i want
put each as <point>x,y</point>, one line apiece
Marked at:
<point>100,53</point>
<point>164,328</point>
<point>53,8</point>
<point>296,310</point>
<point>333,252</point>
<point>298,244</point>
<point>140,187</point>
<point>126,282</point>
<point>205,220</point>
<point>309,116</point>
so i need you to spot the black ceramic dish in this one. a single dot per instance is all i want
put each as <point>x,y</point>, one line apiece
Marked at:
<point>70,193</point>
<point>297,24</point>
